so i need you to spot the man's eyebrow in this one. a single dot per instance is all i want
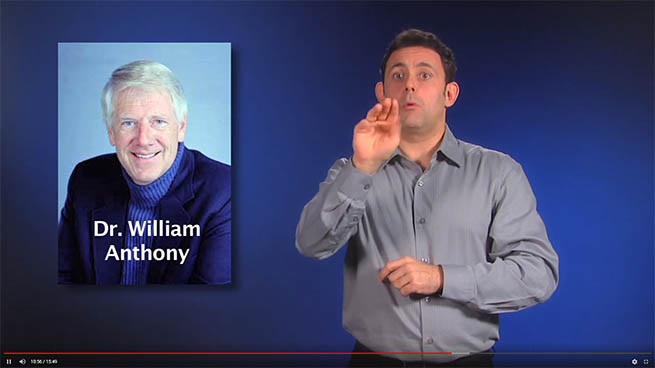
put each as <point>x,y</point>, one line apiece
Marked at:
<point>425,63</point>
<point>400,63</point>
<point>157,116</point>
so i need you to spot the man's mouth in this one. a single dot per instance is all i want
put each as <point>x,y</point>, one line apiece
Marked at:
<point>145,156</point>
<point>410,105</point>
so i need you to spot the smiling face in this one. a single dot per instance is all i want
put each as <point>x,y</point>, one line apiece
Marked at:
<point>416,78</point>
<point>146,133</point>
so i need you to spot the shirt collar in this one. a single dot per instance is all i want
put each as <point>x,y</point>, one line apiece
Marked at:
<point>450,148</point>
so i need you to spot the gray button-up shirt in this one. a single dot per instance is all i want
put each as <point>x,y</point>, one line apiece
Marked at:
<point>472,211</point>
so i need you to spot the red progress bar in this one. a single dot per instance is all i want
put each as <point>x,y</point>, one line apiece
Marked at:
<point>214,353</point>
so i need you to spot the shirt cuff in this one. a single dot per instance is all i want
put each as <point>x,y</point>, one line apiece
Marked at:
<point>459,283</point>
<point>354,183</point>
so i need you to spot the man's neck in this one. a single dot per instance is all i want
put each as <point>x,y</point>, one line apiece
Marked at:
<point>420,147</point>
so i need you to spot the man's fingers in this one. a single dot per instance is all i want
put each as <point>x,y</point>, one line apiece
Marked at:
<point>407,289</point>
<point>401,281</point>
<point>386,271</point>
<point>392,266</point>
<point>395,275</point>
<point>364,126</point>
<point>393,113</point>
<point>373,113</point>
<point>385,114</point>
<point>386,107</point>
<point>399,262</point>
<point>383,274</point>
<point>383,125</point>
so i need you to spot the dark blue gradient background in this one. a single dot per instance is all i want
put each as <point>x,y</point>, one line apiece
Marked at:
<point>565,88</point>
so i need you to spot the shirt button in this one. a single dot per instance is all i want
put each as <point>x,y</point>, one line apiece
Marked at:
<point>366,186</point>
<point>421,221</point>
<point>430,341</point>
<point>427,299</point>
<point>420,183</point>
<point>425,260</point>
<point>355,219</point>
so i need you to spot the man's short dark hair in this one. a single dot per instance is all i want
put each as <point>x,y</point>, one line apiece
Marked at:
<point>416,37</point>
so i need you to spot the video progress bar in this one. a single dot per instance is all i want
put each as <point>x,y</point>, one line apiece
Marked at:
<point>212,353</point>
<point>322,353</point>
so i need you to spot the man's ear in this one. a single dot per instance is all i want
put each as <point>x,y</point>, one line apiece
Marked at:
<point>451,93</point>
<point>379,91</point>
<point>112,139</point>
<point>181,133</point>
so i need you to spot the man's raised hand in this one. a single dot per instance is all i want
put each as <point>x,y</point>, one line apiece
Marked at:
<point>377,136</point>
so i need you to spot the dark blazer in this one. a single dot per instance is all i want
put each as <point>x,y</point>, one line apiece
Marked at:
<point>200,194</point>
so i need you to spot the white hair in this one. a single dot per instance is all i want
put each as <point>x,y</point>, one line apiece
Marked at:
<point>142,75</point>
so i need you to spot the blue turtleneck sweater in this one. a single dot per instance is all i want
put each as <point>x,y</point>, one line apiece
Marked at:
<point>142,207</point>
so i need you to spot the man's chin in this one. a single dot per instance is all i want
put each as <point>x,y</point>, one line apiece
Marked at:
<point>411,125</point>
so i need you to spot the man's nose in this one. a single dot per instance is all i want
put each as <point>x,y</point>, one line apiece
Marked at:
<point>410,85</point>
<point>144,133</point>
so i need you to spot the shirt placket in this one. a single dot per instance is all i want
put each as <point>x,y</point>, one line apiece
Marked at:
<point>421,221</point>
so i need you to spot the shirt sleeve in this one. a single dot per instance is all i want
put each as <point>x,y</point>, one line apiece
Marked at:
<point>334,214</point>
<point>522,266</point>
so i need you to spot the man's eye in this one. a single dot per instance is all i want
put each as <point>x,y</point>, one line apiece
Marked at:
<point>160,123</point>
<point>127,124</point>
<point>425,76</point>
<point>397,75</point>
